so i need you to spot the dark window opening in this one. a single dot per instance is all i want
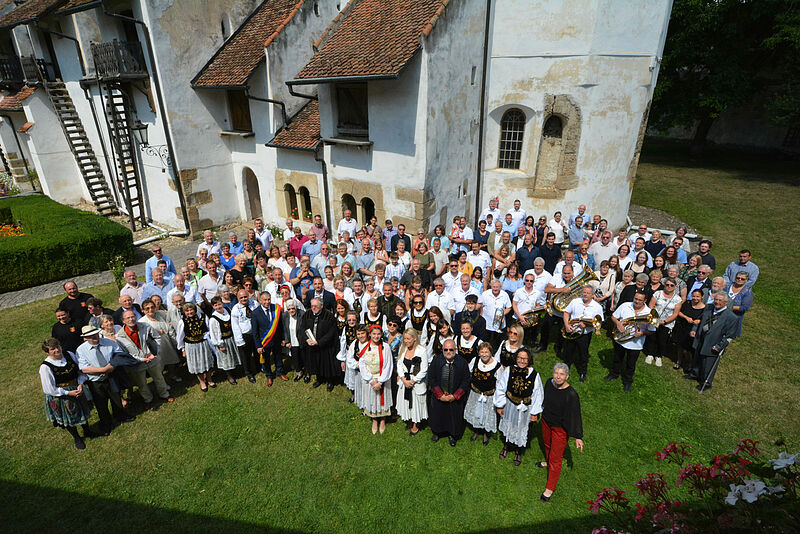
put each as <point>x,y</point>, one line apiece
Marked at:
<point>512,129</point>
<point>291,201</point>
<point>239,106</point>
<point>553,127</point>
<point>348,203</point>
<point>367,209</point>
<point>353,116</point>
<point>305,201</point>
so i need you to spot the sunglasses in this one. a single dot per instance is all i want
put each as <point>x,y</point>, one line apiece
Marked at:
<point>448,350</point>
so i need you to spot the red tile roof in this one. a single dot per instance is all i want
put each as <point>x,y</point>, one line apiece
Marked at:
<point>303,131</point>
<point>27,11</point>
<point>235,61</point>
<point>73,6</point>
<point>373,38</point>
<point>14,102</point>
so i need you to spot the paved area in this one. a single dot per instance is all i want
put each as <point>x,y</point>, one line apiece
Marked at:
<point>179,253</point>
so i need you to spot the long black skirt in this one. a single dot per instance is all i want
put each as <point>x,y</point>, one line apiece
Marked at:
<point>447,418</point>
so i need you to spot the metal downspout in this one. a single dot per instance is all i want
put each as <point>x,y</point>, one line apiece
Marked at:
<point>481,119</point>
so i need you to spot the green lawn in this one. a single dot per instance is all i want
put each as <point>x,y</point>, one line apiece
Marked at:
<point>249,458</point>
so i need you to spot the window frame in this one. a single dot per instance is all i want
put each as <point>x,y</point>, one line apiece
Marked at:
<point>510,143</point>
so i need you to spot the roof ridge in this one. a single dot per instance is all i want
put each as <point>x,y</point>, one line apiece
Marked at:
<point>426,30</point>
<point>337,20</point>
<point>283,24</point>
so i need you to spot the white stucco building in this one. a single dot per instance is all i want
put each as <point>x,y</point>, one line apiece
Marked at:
<point>414,110</point>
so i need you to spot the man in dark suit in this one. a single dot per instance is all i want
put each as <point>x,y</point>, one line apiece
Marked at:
<point>401,235</point>
<point>126,303</point>
<point>716,330</point>
<point>701,281</point>
<point>471,314</point>
<point>318,291</point>
<point>448,378</point>
<point>268,338</point>
<point>424,275</point>
<point>319,340</point>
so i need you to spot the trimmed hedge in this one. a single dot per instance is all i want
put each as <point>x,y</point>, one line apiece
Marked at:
<point>59,242</point>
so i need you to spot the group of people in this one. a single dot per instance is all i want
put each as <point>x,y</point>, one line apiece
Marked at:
<point>438,329</point>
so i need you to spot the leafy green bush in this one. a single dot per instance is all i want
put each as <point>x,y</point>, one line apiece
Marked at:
<point>59,242</point>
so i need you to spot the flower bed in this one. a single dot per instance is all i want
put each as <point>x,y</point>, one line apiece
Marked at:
<point>58,242</point>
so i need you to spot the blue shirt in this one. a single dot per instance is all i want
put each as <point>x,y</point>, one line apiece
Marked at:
<point>238,248</point>
<point>88,356</point>
<point>735,267</point>
<point>152,263</point>
<point>681,255</point>
<point>525,258</point>
<point>304,282</point>
<point>364,261</point>
<point>576,236</point>
<point>387,237</point>
<point>511,227</point>
<point>227,263</point>
<point>150,289</point>
<point>586,218</point>
<point>311,249</point>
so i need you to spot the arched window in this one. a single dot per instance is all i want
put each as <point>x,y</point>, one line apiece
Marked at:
<point>367,210</point>
<point>348,203</point>
<point>305,202</point>
<point>253,193</point>
<point>553,127</point>
<point>512,128</point>
<point>291,201</point>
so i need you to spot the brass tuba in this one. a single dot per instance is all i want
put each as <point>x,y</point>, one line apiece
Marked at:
<point>631,324</point>
<point>560,301</point>
<point>579,327</point>
<point>533,316</point>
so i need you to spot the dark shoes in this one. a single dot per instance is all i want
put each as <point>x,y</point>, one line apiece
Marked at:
<point>452,441</point>
<point>474,436</point>
<point>609,378</point>
<point>486,439</point>
<point>517,459</point>
<point>330,388</point>
<point>79,444</point>
<point>298,376</point>
<point>435,438</point>
<point>583,377</point>
<point>700,389</point>
<point>690,376</point>
<point>544,499</point>
<point>627,388</point>
<point>316,384</point>
<point>128,419</point>
<point>541,465</point>
<point>503,453</point>
<point>307,378</point>
<point>251,378</point>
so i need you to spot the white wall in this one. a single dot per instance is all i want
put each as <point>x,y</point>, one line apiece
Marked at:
<point>600,53</point>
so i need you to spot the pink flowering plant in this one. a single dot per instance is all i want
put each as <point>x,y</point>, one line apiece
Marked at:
<point>736,492</point>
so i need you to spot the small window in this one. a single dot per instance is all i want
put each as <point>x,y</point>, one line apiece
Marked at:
<point>305,201</point>
<point>351,102</point>
<point>367,209</point>
<point>290,197</point>
<point>316,8</point>
<point>473,75</point>
<point>239,106</point>
<point>348,203</point>
<point>512,128</point>
<point>553,127</point>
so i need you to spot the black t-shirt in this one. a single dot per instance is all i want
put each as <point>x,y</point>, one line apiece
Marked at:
<point>551,257</point>
<point>69,335</point>
<point>562,408</point>
<point>77,308</point>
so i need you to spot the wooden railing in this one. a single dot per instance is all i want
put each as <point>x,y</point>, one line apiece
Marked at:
<point>11,70</point>
<point>118,59</point>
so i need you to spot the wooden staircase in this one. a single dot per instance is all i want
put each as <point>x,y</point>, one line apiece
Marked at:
<point>118,115</point>
<point>91,171</point>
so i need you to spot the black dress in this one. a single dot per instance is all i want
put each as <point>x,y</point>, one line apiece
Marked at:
<point>680,333</point>
<point>447,418</point>
<point>322,357</point>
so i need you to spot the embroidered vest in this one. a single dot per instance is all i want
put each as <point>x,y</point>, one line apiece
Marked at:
<point>484,381</point>
<point>224,327</point>
<point>193,329</point>
<point>66,376</point>
<point>507,358</point>
<point>520,387</point>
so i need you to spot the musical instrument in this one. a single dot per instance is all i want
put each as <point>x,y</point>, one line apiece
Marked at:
<point>533,316</point>
<point>560,301</point>
<point>631,325</point>
<point>579,326</point>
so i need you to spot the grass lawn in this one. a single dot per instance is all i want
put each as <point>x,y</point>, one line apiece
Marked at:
<point>249,458</point>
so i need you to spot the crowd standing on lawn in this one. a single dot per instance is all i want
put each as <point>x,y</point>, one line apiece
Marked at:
<point>439,329</point>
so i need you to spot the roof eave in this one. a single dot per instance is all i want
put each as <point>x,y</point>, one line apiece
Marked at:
<point>335,79</point>
<point>78,9</point>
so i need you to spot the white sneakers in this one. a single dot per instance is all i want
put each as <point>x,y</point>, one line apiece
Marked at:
<point>648,360</point>
<point>658,361</point>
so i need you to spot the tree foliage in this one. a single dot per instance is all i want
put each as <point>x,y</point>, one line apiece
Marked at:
<point>720,53</point>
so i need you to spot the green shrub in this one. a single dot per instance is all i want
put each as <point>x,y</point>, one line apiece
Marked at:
<point>59,242</point>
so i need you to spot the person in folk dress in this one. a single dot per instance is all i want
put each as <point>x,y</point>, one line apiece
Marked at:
<point>373,316</point>
<point>190,335</point>
<point>412,370</point>
<point>346,339</point>
<point>507,353</point>
<point>479,412</point>
<point>221,336</point>
<point>467,343</point>
<point>64,404</point>
<point>376,364</point>
<point>351,363</point>
<point>518,399</point>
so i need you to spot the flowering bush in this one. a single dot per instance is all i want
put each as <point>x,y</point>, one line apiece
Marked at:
<point>10,230</point>
<point>736,492</point>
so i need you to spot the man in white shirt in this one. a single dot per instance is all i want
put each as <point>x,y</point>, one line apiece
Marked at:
<point>576,350</point>
<point>132,287</point>
<point>637,247</point>
<point>559,227</point>
<point>452,276</point>
<point>459,292</point>
<point>526,299</point>
<point>496,214</point>
<point>243,333</point>
<point>569,259</point>
<point>348,224</point>
<point>557,285</point>
<point>209,244</point>
<point>495,306</point>
<point>394,269</point>
<point>640,232</point>
<point>479,258</point>
<point>518,214</point>
<point>602,250</point>
<point>465,236</point>
<point>440,298</point>
<point>440,257</point>
<point>542,277</point>
<point>626,353</point>
<point>208,286</point>
<point>262,234</point>
<point>288,232</point>
<point>189,293</point>
<point>273,286</point>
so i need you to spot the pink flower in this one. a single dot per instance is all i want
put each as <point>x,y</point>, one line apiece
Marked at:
<point>674,453</point>
<point>747,446</point>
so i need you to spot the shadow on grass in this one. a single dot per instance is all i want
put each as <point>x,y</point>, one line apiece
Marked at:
<point>45,510</point>
<point>762,167</point>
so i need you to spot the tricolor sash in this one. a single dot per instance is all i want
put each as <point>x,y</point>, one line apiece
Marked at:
<point>271,329</point>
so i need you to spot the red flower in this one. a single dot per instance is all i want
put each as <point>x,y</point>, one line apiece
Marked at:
<point>674,453</point>
<point>747,446</point>
<point>611,500</point>
<point>653,487</point>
